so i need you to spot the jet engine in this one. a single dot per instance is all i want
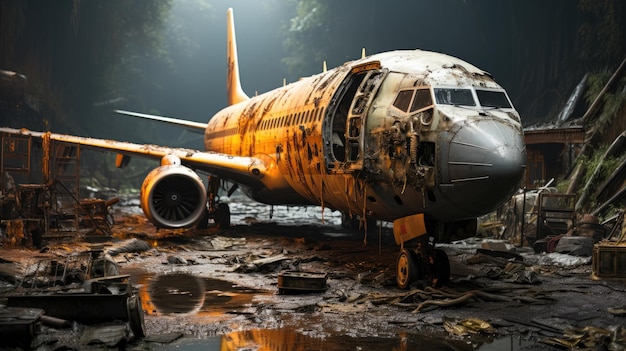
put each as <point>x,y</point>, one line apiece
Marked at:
<point>173,196</point>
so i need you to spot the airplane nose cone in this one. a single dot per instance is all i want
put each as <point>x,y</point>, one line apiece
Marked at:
<point>485,163</point>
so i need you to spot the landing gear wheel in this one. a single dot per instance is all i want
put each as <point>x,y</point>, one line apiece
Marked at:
<point>204,222</point>
<point>440,268</point>
<point>222,215</point>
<point>349,222</point>
<point>406,269</point>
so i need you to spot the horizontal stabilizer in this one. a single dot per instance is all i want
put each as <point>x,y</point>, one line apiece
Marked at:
<point>196,127</point>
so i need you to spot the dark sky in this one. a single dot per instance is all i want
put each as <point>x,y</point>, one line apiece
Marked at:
<point>197,88</point>
<point>482,33</point>
<point>529,46</point>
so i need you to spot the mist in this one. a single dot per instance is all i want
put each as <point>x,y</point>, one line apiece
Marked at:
<point>85,59</point>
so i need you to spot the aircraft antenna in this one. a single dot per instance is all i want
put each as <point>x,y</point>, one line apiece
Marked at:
<point>324,66</point>
<point>233,84</point>
<point>363,53</point>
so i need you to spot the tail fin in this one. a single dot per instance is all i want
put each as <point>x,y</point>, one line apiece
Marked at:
<point>233,84</point>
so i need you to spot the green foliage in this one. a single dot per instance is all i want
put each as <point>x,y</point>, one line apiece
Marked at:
<point>562,185</point>
<point>607,167</point>
<point>612,101</point>
<point>307,28</point>
<point>595,83</point>
<point>69,49</point>
<point>602,31</point>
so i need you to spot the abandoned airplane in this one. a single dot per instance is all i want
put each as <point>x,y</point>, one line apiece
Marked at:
<point>421,139</point>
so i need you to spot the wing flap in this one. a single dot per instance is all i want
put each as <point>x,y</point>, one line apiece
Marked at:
<point>246,171</point>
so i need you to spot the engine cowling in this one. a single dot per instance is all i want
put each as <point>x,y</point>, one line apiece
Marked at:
<point>173,196</point>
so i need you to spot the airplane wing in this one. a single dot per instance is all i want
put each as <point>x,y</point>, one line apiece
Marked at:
<point>195,127</point>
<point>246,171</point>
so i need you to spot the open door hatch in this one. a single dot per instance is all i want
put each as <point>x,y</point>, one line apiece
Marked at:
<point>344,123</point>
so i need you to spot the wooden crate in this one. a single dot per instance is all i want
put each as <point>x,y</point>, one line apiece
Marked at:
<point>609,261</point>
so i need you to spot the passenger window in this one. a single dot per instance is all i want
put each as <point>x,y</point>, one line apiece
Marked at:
<point>403,100</point>
<point>422,99</point>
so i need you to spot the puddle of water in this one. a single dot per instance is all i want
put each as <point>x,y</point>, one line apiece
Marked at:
<point>290,340</point>
<point>514,343</point>
<point>176,293</point>
<point>182,293</point>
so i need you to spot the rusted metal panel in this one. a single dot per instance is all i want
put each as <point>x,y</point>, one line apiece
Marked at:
<point>100,300</point>
<point>407,228</point>
<point>290,282</point>
<point>19,325</point>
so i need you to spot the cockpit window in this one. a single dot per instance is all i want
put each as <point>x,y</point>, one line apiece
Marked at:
<point>403,100</point>
<point>451,96</point>
<point>490,98</point>
<point>422,99</point>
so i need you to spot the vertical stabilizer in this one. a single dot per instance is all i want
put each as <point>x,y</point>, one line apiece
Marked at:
<point>233,84</point>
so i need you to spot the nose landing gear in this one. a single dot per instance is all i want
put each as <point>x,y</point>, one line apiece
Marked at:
<point>427,264</point>
<point>406,268</point>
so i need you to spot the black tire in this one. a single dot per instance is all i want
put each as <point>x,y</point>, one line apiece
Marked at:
<point>406,269</point>
<point>222,216</point>
<point>440,268</point>
<point>204,221</point>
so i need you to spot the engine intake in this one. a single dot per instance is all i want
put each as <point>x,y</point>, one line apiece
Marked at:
<point>173,196</point>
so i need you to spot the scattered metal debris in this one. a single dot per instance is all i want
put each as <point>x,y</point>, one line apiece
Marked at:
<point>72,288</point>
<point>100,300</point>
<point>109,335</point>
<point>128,246</point>
<point>467,326</point>
<point>19,325</point>
<point>264,263</point>
<point>292,282</point>
<point>590,338</point>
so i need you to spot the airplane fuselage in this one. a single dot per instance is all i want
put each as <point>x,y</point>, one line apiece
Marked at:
<point>419,138</point>
<point>387,136</point>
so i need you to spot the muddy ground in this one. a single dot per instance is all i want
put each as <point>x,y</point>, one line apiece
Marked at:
<point>219,290</point>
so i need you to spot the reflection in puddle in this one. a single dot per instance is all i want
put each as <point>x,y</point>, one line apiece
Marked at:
<point>289,340</point>
<point>186,293</point>
<point>514,343</point>
<point>176,293</point>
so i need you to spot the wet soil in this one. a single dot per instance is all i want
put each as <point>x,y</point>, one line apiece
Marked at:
<point>219,289</point>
